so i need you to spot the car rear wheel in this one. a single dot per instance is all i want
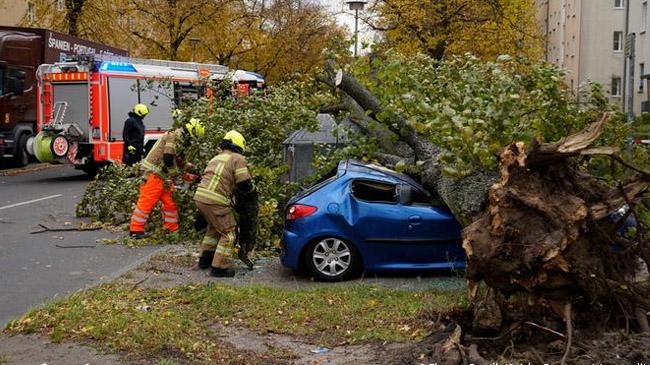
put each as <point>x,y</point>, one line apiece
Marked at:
<point>331,259</point>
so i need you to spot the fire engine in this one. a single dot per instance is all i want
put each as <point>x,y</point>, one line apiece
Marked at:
<point>83,103</point>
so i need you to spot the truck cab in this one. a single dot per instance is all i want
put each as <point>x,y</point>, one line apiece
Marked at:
<point>20,54</point>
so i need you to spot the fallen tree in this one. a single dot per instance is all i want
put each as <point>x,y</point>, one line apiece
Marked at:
<point>542,232</point>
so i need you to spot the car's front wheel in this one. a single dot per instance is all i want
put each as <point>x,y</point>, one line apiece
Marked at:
<point>331,259</point>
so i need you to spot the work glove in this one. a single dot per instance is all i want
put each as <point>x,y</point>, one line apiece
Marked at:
<point>131,149</point>
<point>191,168</point>
<point>170,171</point>
<point>190,178</point>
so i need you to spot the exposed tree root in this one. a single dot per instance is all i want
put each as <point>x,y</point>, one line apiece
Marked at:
<point>548,235</point>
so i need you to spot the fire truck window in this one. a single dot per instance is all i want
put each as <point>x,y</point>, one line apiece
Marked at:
<point>76,97</point>
<point>185,93</point>
<point>159,97</point>
<point>221,90</point>
<point>123,94</point>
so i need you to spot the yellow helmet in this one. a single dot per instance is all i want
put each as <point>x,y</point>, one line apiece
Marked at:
<point>236,139</point>
<point>195,128</point>
<point>140,110</point>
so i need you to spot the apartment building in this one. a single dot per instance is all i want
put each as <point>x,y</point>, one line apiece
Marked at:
<point>639,60</point>
<point>591,40</point>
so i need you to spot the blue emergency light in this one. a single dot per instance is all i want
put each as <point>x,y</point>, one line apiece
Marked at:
<point>117,66</point>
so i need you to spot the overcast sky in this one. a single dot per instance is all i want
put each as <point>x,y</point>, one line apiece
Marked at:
<point>340,9</point>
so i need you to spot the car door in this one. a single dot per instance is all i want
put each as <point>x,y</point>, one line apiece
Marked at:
<point>434,232</point>
<point>396,232</point>
<point>381,223</point>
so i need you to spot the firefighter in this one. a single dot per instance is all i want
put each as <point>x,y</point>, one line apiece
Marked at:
<point>133,135</point>
<point>224,173</point>
<point>160,167</point>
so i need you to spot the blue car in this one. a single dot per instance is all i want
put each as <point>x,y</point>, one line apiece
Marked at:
<point>366,218</point>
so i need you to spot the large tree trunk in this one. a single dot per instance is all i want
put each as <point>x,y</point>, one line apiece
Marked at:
<point>399,142</point>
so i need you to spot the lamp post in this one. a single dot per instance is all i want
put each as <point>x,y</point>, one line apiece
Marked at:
<point>193,42</point>
<point>356,6</point>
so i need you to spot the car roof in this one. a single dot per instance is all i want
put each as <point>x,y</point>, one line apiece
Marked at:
<point>377,171</point>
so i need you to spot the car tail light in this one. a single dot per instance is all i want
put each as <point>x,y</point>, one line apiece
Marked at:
<point>299,211</point>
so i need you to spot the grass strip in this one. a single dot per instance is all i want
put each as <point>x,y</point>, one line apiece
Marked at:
<point>180,320</point>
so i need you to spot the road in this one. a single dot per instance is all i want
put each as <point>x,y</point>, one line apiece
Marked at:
<point>38,267</point>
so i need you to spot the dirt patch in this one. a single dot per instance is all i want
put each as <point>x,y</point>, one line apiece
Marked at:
<point>178,266</point>
<point>302,352</point>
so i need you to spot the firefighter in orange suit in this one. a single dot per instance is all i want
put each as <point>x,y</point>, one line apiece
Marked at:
<point>160,167</point>
<point>225,172</point>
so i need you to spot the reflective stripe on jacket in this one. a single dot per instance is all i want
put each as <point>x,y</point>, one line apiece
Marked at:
<point>221,177</point>
<point>165,145</point>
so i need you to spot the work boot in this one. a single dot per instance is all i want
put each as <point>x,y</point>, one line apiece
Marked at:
<point>222,273</point>
<point>136,235</point>
<point>205,260</point>
<point>244,258</point>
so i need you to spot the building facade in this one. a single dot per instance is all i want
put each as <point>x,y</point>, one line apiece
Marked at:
<point>639,59</point>
<point>591,40</point>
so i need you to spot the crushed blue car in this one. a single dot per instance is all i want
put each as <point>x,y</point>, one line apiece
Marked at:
<point>366,218</point>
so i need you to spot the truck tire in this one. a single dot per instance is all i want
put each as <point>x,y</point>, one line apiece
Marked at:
<point>21,157</point>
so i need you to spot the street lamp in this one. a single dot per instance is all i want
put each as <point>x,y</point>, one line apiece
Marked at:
<point>356,6</point>
<point>193,42</point>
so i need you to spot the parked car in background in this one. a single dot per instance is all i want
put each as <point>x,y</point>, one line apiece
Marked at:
<point>367,218</point>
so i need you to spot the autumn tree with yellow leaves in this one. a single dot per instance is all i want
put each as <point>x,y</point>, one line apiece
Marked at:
<point>283,37</point>
<point>274,38</point>
<point>485,28</point>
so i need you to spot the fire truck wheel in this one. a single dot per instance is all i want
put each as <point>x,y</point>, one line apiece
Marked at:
<point>21,157</point>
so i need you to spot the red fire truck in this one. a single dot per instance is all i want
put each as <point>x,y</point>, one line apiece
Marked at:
<point>83,103</point>
<point>22,50</point>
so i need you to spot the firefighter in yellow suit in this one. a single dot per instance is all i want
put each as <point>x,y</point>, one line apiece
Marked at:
<point>224,173</point>
<point>160,167</point>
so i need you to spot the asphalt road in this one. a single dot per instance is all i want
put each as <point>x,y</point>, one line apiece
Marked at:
<point>38,267</point>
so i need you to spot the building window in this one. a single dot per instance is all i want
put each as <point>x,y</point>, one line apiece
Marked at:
<point>616,86</point>
<point>641,73</point>
<point>619,4</point>
<point>644,17</point>
<point>60,5</point>
<point>618,41</point>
